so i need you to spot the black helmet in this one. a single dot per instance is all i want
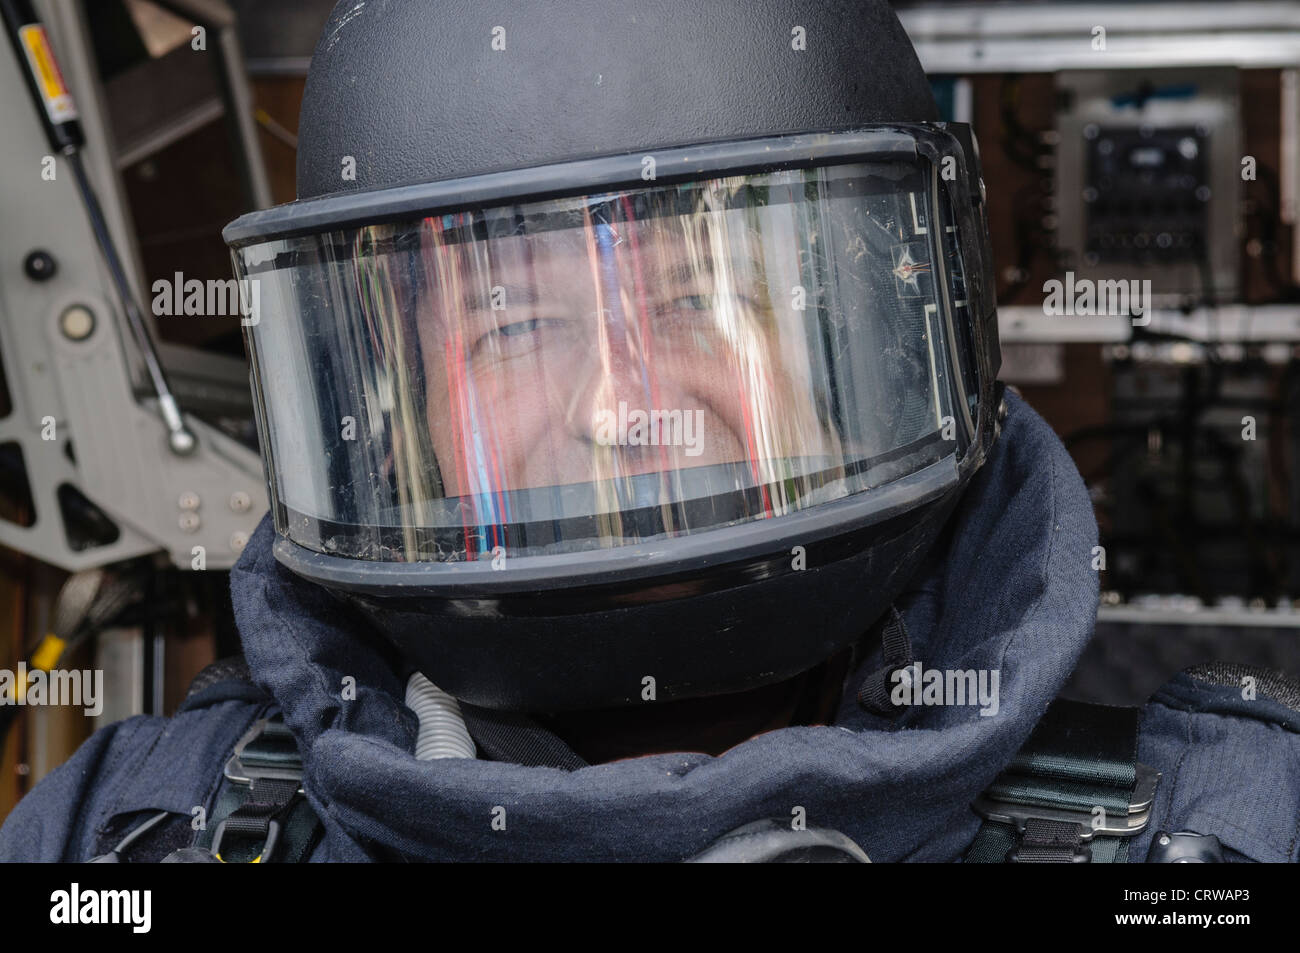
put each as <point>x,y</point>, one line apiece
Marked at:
<point>612,346</point>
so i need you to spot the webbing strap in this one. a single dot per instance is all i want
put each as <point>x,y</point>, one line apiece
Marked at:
<point>896,653</point>
<point>266,800</point>
<point>1075,792</point>
<point>261,815</point>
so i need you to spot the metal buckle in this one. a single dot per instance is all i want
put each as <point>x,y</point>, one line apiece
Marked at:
<point>239,772</point>
<point>268,845</point>
<point>1112,825</point>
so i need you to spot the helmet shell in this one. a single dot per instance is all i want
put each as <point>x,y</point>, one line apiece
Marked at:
<point>424,90</point>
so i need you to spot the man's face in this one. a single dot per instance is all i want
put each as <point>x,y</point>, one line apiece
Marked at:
<point>586,354</point>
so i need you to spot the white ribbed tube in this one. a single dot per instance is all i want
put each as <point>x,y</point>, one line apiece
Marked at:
<point>442,729</point>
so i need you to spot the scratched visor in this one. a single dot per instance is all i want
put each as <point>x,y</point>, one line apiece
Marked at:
<point>611,369</point>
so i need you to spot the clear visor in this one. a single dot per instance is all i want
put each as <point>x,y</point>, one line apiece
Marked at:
<point>605,370</point>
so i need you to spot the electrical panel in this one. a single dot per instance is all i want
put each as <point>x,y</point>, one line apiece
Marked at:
<point>1148,167</point>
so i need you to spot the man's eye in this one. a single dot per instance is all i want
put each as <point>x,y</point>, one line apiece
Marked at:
<point>690,310</point>
<point>674,311</point>
<point>517,337</point>
<point>518,328</point>
<point>696,302</point>
<point>707,301</point>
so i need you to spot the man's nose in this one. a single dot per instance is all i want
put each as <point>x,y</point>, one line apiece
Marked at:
<point>614,373</point>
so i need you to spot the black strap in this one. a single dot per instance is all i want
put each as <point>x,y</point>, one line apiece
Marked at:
<point>261,815</point>
<point>896,649</point>
<point>264,805</point>
<point>1075,793</point>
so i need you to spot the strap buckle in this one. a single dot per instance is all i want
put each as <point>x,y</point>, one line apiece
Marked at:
<point>266,761</point>
<point>1088,824</point>
<point>265,734</point>
<point>268,845</point>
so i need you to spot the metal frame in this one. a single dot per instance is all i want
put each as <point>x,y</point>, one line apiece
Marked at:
<point>1166,613</point>
<point>123,463</point>
<point>1002,38</point>
<point>1289,173</point>
<point>1262,323</point>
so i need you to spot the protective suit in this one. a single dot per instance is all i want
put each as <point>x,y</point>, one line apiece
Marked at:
<point>614,361</point>
<point>1009,588</point>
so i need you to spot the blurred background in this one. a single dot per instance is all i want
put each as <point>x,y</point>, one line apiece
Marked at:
<point>1151,141</point>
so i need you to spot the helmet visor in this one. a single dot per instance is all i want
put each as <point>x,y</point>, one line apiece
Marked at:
<point>602,370</point>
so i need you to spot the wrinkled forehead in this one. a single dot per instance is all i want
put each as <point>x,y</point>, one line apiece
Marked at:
<point>652,247</point>
<point>670,250</point>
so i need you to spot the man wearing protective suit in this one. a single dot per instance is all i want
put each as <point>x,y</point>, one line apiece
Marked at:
<point>642,489</point>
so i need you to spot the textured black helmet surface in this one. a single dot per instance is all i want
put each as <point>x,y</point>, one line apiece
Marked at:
<point>423,90</point>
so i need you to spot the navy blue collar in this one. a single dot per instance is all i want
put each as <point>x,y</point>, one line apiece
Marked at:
<point>1010,590</point>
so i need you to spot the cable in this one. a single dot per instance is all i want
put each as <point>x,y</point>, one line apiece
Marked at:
<point>1015,137</point>
<point>275,129</point>
<point>114,856</point>
<point>58,117</point>
<point>179,437</point>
